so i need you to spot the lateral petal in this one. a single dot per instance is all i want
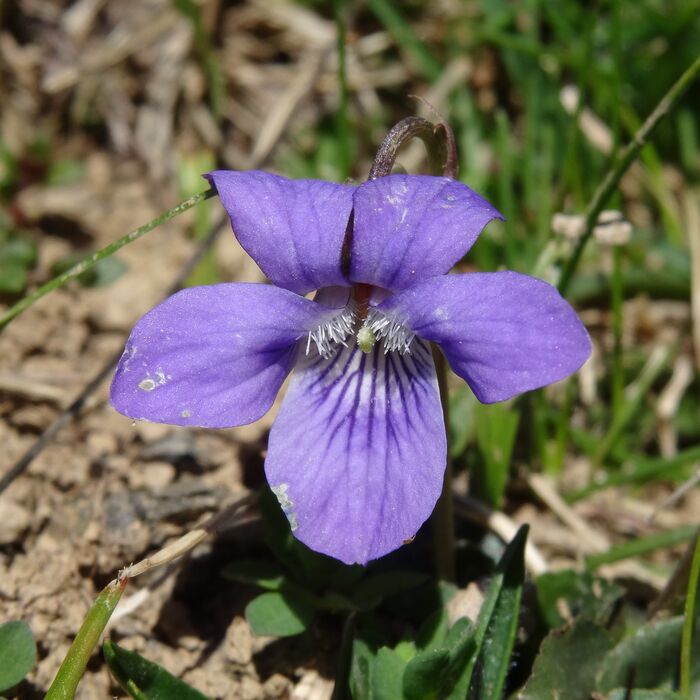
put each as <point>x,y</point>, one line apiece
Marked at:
<point>411,227</point>
<point>357,453</point>
<point>213,356</point>
<point>502,332</point>
<point>293,229</point>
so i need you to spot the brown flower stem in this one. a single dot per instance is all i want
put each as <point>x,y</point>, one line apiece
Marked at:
<point>438,138</point>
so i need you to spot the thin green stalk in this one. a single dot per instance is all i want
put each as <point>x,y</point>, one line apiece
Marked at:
<point>212,69</point>
<point>609,184</point>
<point>343,124</point>
<point>616,298</point>
<point>687,637</point>
<point>23,304</point>
<point>66,681</point>
<point>616,283</point>
<point>641,546</point>
<point>506,198</point>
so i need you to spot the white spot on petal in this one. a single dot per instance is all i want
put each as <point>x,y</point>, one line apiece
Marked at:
<point>147,384</point>
<point>286,504</point>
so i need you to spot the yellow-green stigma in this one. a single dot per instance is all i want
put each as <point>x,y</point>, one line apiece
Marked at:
<point>365,339</point>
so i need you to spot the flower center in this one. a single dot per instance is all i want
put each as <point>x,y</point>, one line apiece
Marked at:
<point>366,323</point>
<point>394,335</point>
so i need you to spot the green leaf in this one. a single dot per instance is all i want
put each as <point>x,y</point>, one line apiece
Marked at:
<point>66,171</point>
<point>462,645</point>
<point>257,572</point>
<point>496,427</point>
<point>432,632</point>
<point>498,622</point>
<point>461,414</point>
<point>586,596</point>
<point>19,249</point>
<point>567,664</point>
<point>425,674</point>
<point>280,614</point>
<point>17,255</point>
<point>623,694</point>
<point>361,669</point>
<point>652,652</point>
<point>13,277</point>
<point>386,675</point>
<point>8,167</point>
<point>143,679</point>
<point>17,653</point>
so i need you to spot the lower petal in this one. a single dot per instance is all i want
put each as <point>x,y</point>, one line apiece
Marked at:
<point>357,454</point>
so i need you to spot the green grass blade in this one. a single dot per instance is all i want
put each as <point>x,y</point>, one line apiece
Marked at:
<point>687,636</point>
<point>87,263</point>
<point>73,666</point>
<point>404,35</point>
<point>641,546</point>
<point>609,184</point>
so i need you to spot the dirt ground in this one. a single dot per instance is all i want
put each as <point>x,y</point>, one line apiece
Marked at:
<point>107,491</point>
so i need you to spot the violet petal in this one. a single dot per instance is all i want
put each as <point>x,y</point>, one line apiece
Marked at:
<point>502,332</point>
<point>412,227</point>
<point>357,453</point>
<point>213,356</point>
<point>293,229</point>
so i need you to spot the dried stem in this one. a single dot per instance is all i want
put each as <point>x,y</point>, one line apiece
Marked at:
<point>438,138</point>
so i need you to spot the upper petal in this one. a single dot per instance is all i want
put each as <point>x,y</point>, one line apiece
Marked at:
<point>502,332</point>
<point>214,356</point>
<point>293,229</point>
<point>357,453</point>
<point>411,227</point>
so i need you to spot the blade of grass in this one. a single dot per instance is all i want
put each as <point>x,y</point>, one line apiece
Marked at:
<point>23,304</point>
<point>215,77</point>
<point>404,35</point>
<point>73,666</point>
<point>641,546</point>
<point>616,284</point>
<point>506,197</point>
<point>687,636</point>
<point>497,624</point>
<point>634,395</point>
<point>342,121</point>
<point>646,470</point>
<point>619,168</point>
<point>616,298</point>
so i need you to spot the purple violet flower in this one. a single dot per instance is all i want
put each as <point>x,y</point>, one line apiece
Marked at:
<point>357,453</point>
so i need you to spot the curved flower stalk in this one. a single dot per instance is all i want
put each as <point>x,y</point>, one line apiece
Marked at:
<point>357,453</point>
